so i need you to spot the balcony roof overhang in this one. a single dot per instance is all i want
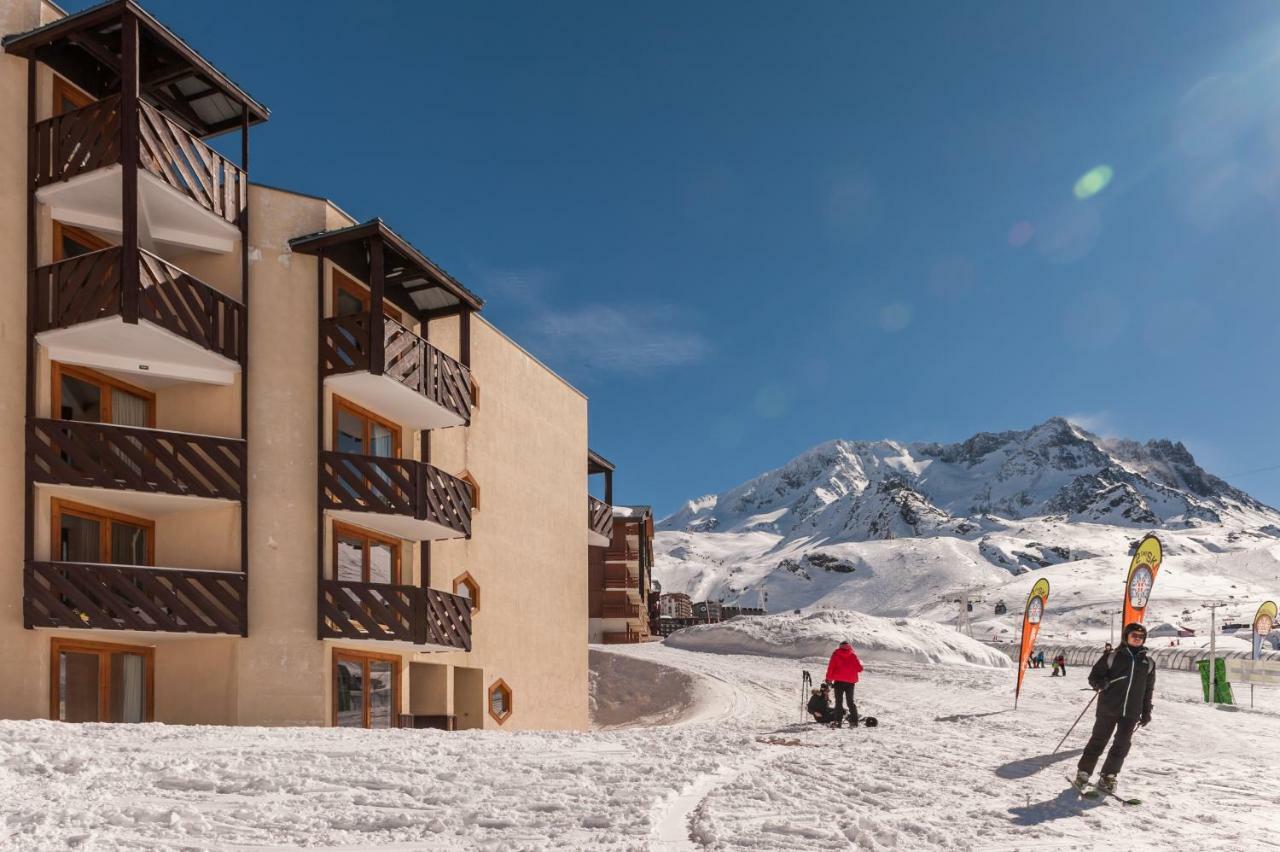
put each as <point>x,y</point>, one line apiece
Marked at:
<point>86,49</point>
<point>413,280</point>
<point>597,463</point>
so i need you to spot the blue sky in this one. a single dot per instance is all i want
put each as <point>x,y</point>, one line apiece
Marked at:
<point>746,228</point>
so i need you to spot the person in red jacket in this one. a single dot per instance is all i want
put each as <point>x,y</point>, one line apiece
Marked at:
<point>842,674</point>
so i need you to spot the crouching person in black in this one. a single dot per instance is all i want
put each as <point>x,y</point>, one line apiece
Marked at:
<point>1124,680</point>
<point>820,706</point>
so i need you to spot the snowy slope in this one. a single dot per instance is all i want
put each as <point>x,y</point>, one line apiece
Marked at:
<point>817,633</point>
<point>885,527</point>
<point>950,767</point>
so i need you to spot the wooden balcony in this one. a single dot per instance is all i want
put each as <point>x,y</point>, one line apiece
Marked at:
<point>193,196</point>
<point>623,637</point>
<point>128,458</point>
<point>599,522</point>
<point>165,323</point>
<point>398,497</point>
<point>618,610</point>
<point>394,613</point>
<point>401,376</point>
<point>87,596</point>
<point>618,577</point>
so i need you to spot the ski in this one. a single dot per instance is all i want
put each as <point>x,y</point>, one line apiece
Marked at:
<point>1093,792</point>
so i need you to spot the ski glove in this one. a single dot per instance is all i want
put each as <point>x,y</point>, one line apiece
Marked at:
<point>1145,720</point>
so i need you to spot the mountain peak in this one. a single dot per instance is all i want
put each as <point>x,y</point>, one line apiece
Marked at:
<point>843,490</point>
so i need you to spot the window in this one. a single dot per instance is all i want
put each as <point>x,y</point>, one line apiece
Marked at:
<point>97,682</point>
<point>88,534</point>
<point>351,297</point>
<point>500,701</point>
<point>67,97</point>
<point>465,586</point>
<point>366,690</point>
<point>358,430</point>
<point>69,241</point>
<point>87,395</point>
<point>360,556</point>
<point>475,489</point>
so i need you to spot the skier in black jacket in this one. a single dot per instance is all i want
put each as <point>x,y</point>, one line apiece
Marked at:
<point>1124,680</point>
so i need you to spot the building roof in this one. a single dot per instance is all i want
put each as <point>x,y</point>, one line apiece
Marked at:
<point>410,272</point>
<point>86,49</point>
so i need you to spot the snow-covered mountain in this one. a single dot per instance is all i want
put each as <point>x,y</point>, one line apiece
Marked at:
<point>877,524</point>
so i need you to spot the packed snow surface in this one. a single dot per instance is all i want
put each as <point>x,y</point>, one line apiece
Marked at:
<point>816,633</point>
<point>951,767</point>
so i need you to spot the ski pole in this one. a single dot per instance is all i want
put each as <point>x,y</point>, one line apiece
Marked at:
<point>1073,724</point>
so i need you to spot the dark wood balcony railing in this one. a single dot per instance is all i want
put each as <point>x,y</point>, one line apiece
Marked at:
<point>615,610</point>
<point>121,597</point>
<point>90,286</point>
<point>346,347</point>
<point>392,486</point>
<point>103,455</point>
<point>618,577</point>
<point>626,637</point>
<point>88,138</point>
<point>599,517</point>
<point>387,612</point>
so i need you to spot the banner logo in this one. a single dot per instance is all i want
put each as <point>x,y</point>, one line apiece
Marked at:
<point>1031,617</point>
<point>1141,578</point>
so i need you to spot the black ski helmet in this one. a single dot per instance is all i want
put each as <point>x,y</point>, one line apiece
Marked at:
<point>870,721</point>
<point>1133,627</point>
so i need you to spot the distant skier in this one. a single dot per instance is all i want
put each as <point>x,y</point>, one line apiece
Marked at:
<point>1124,680</point>
<point>1059,666</point>
<point>1040,660</point>
<point>819,706</point>
<point>842,674</point>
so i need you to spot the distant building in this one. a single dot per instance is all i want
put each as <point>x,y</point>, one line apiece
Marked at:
<point>667,626</point>
<point>708,612</point>
<point>675,605</point>
<point>619,577</point>
<point>728,612</point>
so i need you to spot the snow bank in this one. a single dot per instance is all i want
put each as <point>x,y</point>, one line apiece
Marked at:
<point>816,634</point>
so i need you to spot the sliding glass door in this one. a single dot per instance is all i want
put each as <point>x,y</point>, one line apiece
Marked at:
<point>97,682</point>
<point>366,690</point>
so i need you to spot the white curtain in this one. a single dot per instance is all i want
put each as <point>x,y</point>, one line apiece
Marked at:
<point>128,409</point>
<point>133,687</point>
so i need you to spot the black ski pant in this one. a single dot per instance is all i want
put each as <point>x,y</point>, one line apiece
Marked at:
<point>843,691</point>
<point>1103,727</point>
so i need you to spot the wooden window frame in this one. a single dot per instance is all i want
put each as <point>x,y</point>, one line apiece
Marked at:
<point>64,88</point>
<point>364,657</point>
<point>465,578</point>
<point>352,531</point>
<point>469,478</point>
<point>340,403</point>
<point>104,382</point>
<point>90,239</point>
<point>58,507</point>
<point>345,283</point>
<point>500,684</point>
<point>104,651</point>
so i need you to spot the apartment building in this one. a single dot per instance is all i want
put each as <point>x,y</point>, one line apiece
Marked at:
<point>266,464</point>
<point>675,605</point>
<point>619,575</point>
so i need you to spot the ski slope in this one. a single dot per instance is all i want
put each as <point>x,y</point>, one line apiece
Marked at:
<point>951,766</point>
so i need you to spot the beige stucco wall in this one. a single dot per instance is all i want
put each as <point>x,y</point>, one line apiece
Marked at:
<point>527,448</point>
<point>25,692</point>
<point>282,667</point>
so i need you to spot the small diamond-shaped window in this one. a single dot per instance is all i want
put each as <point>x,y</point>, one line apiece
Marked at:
<point>464,585</point>
<point>500,701</point>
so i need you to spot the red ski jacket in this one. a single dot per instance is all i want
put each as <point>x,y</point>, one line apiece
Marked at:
<point>844,666</point>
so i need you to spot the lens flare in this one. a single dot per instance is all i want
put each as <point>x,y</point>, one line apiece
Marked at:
<point>1093,181</point>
